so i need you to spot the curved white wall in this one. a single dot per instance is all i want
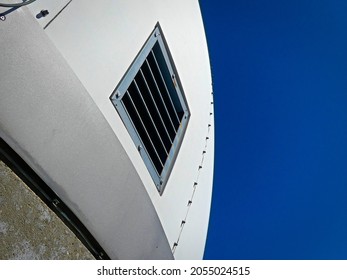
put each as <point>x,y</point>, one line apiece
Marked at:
<point>50,120</point>
<point>99,40</point>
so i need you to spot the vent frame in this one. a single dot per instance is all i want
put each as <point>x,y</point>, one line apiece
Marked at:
<point>154,54</point>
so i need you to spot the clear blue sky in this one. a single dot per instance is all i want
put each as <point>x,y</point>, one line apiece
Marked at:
<point>280,82</point>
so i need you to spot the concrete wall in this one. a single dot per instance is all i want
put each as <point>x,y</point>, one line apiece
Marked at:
<point>29,229</point>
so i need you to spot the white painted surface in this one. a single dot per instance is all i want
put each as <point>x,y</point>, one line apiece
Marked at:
<point>50,120</point>
<point>53,8</point>
<point>99,40</point>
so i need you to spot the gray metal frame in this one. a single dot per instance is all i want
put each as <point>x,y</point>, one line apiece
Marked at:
<point>156,36</point>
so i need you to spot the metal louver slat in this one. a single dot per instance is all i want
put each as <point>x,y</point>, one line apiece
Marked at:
<point>144,128</point>
<point>152,121</point>
<point>165,85</point>
<point>156,107</point>
<point>161,97</point>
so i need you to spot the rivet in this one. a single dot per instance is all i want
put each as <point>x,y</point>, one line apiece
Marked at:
<point>55,202</point>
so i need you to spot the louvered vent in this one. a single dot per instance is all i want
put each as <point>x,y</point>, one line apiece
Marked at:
<point>151,104</point>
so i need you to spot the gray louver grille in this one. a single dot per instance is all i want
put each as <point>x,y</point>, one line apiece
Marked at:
<point>152,107</point>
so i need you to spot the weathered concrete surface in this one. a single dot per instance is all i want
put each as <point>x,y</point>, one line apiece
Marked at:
<point>28,228</point>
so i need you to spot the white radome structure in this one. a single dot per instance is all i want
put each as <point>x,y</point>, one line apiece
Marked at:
<point>58,75</point>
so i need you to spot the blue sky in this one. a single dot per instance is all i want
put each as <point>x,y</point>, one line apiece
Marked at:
<point>280,87</point>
